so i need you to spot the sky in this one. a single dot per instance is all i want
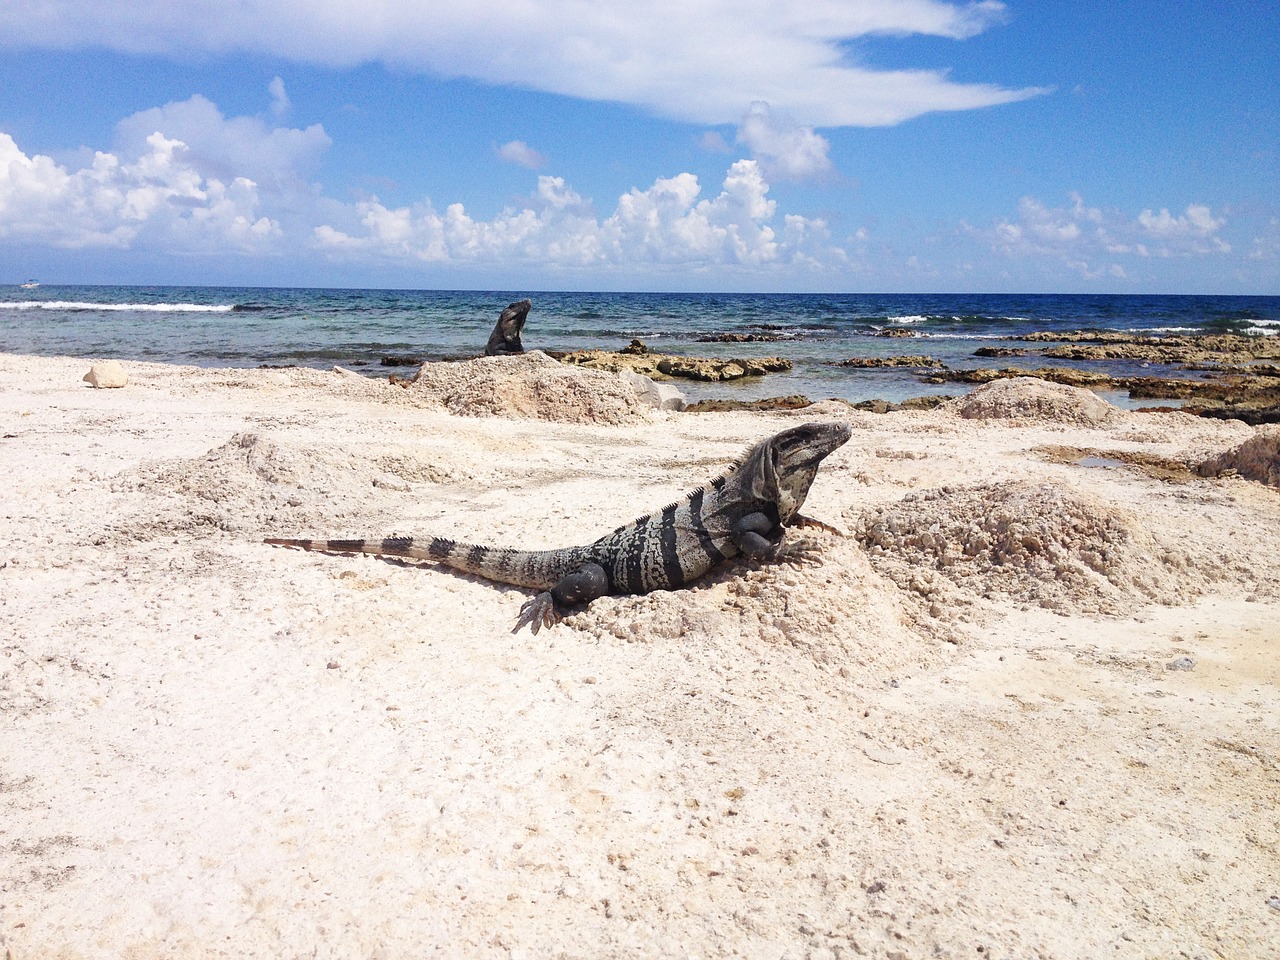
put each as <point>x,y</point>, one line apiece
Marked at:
<point>657,145</point>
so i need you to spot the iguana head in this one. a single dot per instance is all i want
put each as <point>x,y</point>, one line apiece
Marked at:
<point>781,469</point>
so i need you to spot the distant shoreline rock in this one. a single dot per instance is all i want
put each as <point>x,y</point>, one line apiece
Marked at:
<point>661,366</point>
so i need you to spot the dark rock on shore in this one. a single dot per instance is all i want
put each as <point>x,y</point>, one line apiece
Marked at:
<point>928,402</point>
<point>895,332</point>
<point>742,338</point>
<point>794,402</point>
<point>395,360</point>
<point>659,366</point>
<point>1000,352</point>
<point>905,361</point>
<point>1067,375</point>
<point>1112,345</point>
<point>1254,416</point>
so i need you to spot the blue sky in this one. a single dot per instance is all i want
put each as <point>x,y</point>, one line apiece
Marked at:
<point>756,145</point>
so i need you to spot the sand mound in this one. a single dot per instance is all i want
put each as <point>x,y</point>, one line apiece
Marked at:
<point>1255,459</point>
<point>1032,542</point>
<point>1028,398</point>
<point>530,385</point>
<point>246,485</point>
<point>832,612</point>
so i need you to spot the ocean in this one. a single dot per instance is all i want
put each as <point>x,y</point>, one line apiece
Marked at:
<point>249,327</point>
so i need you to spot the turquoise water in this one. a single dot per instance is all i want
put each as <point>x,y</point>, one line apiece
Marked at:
<point>248,327</point>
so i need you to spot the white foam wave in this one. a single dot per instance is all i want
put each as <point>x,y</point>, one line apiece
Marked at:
<point>909,318</point>
<point>1264,328</point>
<point>119,307</point>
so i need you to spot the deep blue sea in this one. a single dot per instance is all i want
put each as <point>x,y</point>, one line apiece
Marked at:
<point>247,327</point>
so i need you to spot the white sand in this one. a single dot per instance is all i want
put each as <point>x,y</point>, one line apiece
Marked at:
<point>961,735</point>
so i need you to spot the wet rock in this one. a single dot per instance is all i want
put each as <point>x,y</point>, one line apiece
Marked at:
<point>1001,352</point>
<point>713,370</point>
<point>1114,345</point>
<point>903,361</point>
<point>658,366</point>
<point>741,338</point>
<point>1252,415</point>
<point>1066,375</point>
<point>794,402</point>
<point>635,347</point>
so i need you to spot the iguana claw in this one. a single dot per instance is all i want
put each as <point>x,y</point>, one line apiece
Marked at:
<point>799,552</point>
<point>538,612</point>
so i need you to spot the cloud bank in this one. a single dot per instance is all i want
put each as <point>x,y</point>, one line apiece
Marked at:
<point>700,61</point>
<point>184,179</point>
<point>156,199</point>
<point>667,224</point>
<point>1089,240</point>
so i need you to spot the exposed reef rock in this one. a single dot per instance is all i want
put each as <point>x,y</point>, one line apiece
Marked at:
<point>742,338</point>
<point>794,402</point>
<point>927,402</point>
<point>659,366</point>
<point>906,361</point>
<point>1066,375</point>
<point>1001,352</point>
<point>1209,348</point>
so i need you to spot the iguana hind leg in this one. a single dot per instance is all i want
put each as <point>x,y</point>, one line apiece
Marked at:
<point>548,608</point>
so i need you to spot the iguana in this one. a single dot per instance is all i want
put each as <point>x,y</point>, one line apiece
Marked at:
<point>744,511</point>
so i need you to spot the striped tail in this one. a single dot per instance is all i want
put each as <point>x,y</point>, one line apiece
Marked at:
<point>536,569</point>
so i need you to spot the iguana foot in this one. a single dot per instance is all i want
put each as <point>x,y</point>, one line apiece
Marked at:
<point>799,520</point>
<point>537,613</point>
<point>798,552</point>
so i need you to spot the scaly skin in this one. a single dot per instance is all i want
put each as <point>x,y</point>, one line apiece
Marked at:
<point>743,512</point>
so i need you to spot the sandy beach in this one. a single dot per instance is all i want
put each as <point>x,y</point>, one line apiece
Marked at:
<point>1024,707</point>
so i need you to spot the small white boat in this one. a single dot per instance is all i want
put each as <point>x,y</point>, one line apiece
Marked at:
<point>30,284</point>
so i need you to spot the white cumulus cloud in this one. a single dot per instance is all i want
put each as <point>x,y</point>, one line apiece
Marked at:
<point>519,152</point>
<point>279,97</point>
<point>1088,239</point>
<point>785,149</point>
<point>695,60</point>
<point>669,223</point>
<point>184,178</point>
<point>276,158</point>
<point>156,197</point>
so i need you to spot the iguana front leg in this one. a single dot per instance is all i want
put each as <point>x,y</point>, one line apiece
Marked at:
<point>548,608</point>
<point>749,533</point>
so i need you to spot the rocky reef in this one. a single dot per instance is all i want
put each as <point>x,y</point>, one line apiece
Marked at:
<point>638,358</point>
<point>1235,376</point>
